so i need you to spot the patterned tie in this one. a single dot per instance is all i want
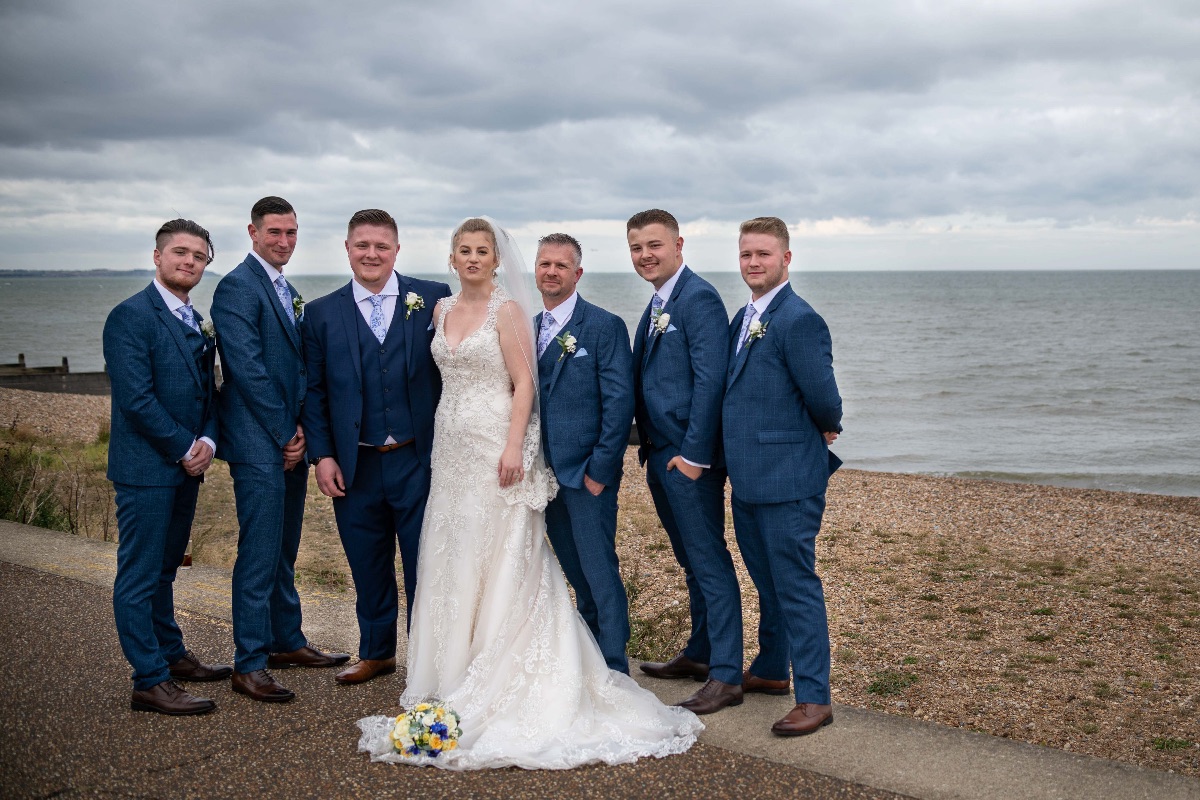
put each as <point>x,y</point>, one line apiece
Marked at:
<point>656,305</point>
<point>746,320</point>
<point>189,318</point>
<point>285,297</point>
<point>544,334</point>
<point>376,322</point>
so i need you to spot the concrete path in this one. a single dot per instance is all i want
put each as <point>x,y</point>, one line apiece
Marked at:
<point>66,729</point>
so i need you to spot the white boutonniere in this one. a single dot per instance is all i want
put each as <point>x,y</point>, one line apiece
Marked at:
<point>413,302</point>
<point>298,306</point>
<point>567,342</point>
<point>661,321</point>
<point>758,329</point>
<point>207,329</point>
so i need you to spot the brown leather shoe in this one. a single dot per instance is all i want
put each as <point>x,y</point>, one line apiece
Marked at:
<point>190,668</point>
<point>168,698</point>
<point>752,684</point>
<point>366,669</point>
<point>713,696</point>
<point>678,667</point>
<point>803,720</point>
<point>261,685</point>
<point>307,656</point>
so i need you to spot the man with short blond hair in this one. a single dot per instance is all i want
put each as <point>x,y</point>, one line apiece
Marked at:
<point>372,392</point>
<point>781,412</point>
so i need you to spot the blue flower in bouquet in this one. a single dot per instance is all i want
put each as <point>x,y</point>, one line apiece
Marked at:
<point>427,730</point>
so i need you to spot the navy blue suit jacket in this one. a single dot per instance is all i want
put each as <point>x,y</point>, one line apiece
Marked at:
<point>333,411</point>
<point>679,375</point>
<point>262,363</point>
<point>160,401</point>
<point>780,397</point>
<point>586,397</point>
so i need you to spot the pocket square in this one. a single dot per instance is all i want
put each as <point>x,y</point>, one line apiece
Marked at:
<point>580,353</point>
<point>670,328</point>
<point>430,326</point>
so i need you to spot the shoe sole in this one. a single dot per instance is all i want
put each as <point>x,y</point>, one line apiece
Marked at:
<point>135,706</point>
<point>292,664</point>
<point>827,721</point>
<point>357,681</point>
<point>731,704</point>
<point>696,678</point>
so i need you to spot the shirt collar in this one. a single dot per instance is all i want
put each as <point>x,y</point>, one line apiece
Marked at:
<point>563,312</point>
<point>669,286</point>
<point>392,287</point>
<point>272,273</point>
<point>173,302</point>
<point>764,302</point>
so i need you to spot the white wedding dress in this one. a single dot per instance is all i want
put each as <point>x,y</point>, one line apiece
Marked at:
<point>495,635</point>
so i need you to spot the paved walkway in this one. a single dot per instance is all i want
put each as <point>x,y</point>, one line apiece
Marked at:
<point>66,729</point>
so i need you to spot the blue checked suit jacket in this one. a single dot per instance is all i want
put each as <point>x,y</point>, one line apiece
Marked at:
<point>780,396</point>
<point>679,375</point>
<point>160,402</point>
<point>262,363</point>
<point>333,408</point>
<point>586,397</point>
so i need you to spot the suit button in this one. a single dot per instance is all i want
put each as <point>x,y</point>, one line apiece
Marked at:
<point>383,350</point>
<point>385,391</point>
<point>387,411</point>
<point>385,370</point>
<point>302,373</point>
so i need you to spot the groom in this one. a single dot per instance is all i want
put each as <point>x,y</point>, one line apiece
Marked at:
<point>585,370</point>
<point>372,392</point>
<point>782,410</point>
<point>680,355</point>
<point>164,426</point>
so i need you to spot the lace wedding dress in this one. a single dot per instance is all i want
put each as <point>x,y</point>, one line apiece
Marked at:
<point>495,635</point>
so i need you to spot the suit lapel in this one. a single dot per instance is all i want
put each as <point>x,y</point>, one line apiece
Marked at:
<point>402,315</point>
<point>684,274</point>
<point>763,318</point>
<point>350,314</point>
<point>572,326</point>
<point>639,340</point>
<point>277,304</point>
<point>175,326</point>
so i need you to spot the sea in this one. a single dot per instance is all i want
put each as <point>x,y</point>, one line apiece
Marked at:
<point>1071,378</point>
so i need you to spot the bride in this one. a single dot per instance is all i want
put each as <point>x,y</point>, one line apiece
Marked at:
<point>495,636</point>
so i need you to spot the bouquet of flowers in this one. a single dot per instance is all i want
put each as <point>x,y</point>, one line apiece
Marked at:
<point>428,729</point>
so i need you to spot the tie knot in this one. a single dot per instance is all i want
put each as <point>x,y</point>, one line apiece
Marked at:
<point>547,319</point>
<point>377,300</point>
<point>281,282</point>
<point>656,301</point>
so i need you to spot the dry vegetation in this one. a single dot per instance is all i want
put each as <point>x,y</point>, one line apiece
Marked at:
<point>1062,617</point>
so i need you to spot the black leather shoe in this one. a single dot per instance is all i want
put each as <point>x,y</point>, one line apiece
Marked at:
<point>168,698</point>
<point>190,668</point>
<point>713,696</point>
<point>260,685</point>
<point>307,656</point>
<point>678,667</point>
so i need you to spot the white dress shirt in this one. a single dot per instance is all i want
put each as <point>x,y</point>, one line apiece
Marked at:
<point>562,314</point>
<point>389,293</point>
<point>173,305</point>
<point>272,273</point>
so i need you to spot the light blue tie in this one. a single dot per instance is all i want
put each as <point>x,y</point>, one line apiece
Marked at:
<point>376,322</point>
<point>544,333</point>
<point>285,297</point>
<point>656,305</point>
<point>746,320</point>
<point>189,318</point>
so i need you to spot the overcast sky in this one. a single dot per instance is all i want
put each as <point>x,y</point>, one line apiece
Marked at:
<point>997,134</point>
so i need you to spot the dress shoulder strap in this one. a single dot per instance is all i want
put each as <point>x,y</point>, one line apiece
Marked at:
<point>447,304</point>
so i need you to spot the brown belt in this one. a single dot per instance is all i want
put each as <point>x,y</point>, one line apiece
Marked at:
<point>387,448</point>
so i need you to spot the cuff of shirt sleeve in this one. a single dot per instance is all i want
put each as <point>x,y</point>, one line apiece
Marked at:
<point>694,464</point>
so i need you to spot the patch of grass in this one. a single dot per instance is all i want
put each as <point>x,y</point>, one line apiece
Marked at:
<point>1086,663</point>
<point>911,660</point>
<point>1104,691</point>
<point>969,610</point>
<point>931,597</point>
<point>1167,743</point>
<point>976,636</point>
<point>1088,727</point>
<point>847,656</point>
<point>1042,658</point>
<point>1043,612</point>
<point>891,682</point>
<point>1039,637</point>
<point>931,616</point>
